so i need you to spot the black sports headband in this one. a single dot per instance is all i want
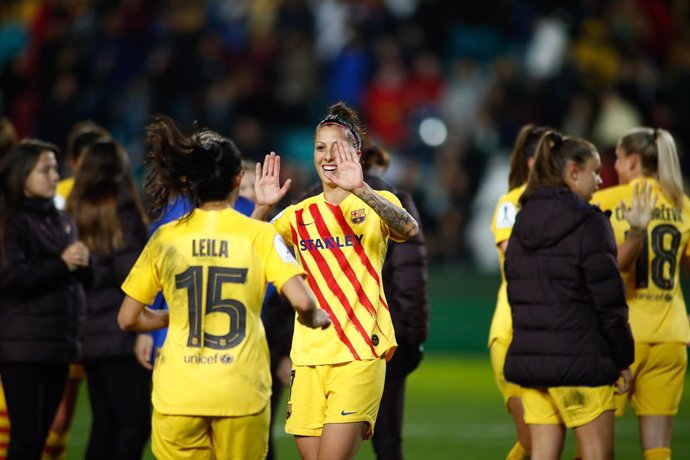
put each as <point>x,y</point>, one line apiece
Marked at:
<point>349,127</point>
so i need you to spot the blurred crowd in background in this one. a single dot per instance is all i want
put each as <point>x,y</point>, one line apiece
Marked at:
<point>444,85</point>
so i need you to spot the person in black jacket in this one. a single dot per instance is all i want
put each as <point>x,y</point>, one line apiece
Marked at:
<point>404,275</point>
<point>112,224</point>
<point>42,267</point>
<point>571,337</point>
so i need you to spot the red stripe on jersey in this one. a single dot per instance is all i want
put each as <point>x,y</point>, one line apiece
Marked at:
<point>294,237</point>
<point>338,214</point>
<point>342,260</point>
<point>325,271</point>
<point>322,300</point>
<point>4,429</point>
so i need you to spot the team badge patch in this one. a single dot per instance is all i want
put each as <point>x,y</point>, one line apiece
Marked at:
<point>357,216</point>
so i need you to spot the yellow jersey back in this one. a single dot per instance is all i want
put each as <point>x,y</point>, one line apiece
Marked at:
<point>213,269</point>
<point>652,286</point>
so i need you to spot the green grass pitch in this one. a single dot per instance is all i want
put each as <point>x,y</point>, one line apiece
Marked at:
<point>453,411</point>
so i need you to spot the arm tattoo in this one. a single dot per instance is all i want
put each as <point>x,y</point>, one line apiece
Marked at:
<point>397,219</point>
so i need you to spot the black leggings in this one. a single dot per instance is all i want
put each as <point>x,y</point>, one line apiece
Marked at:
<point>33,392</point>
<point>387,438</point>
<point>119,391</point>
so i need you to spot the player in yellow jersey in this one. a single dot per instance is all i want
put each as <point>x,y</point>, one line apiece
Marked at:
<point>650,270</point>
<point>341,238</point>
<point>211,380</point>
<point>501,332</point>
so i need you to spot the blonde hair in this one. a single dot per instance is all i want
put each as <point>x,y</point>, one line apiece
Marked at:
<point>658,154</point>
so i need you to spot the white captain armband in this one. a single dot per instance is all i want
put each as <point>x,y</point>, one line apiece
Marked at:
<point>283,251</point>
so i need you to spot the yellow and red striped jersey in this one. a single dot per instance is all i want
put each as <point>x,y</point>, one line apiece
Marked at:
<point>342,248</point>
<point>213,269</point>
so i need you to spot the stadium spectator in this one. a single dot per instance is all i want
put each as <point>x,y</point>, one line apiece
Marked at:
<point>217,342</point>
<point>341,237</point>
<point>571,338</point>
<point>42,303</point>
<point>112,224</point>
<point>650,260</point>
<point>501,332</point>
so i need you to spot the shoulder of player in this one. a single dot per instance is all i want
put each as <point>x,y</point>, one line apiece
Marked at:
<point>611,195</point>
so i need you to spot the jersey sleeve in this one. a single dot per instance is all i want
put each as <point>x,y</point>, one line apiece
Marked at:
<point>143,283</point>
<point>281,265</point>
<point>503,220</point>
<point>281,222</point>
<point>384,227</point>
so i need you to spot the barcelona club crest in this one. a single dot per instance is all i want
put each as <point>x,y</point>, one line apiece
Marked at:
<point>357,216</point>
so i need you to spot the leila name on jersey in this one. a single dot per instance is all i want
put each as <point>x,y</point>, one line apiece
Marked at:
<point>209,247</point>
<point>340,241</point>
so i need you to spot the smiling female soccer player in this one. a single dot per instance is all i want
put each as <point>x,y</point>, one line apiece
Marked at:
<point>650,269</point>
<point>341,237</point>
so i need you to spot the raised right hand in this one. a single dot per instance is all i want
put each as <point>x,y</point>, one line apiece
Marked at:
<point>267,184</point>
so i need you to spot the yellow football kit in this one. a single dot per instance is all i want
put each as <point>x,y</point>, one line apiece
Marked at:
<point>501,331</point>
<point>63,190</point>
<point>213,269</point>
<point>342,248</point>
<point>658,314</point>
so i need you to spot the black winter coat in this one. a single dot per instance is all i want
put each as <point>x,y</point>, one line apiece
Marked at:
<point>102,335</point>
<point>570,318</point>
<point>42,303</point>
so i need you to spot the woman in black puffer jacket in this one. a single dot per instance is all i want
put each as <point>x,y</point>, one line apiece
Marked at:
<point>42,267</point>
<point>571,338</point>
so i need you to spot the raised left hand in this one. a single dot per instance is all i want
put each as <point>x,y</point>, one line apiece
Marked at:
<point>348,174</point>
<point>640,213</point>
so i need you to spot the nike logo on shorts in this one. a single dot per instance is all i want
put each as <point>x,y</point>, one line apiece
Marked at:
<point>347,413</point>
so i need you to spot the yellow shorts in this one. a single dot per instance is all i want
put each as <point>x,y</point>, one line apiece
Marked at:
<point>498,350</point>
<point>183,437</point>
<point>340,393</point>
<point>572,406</point>
<point>658,378</point>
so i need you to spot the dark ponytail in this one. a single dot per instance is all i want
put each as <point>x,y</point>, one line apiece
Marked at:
<point>524,148</point>
<point>201,166</point>
<point>553,154</point>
